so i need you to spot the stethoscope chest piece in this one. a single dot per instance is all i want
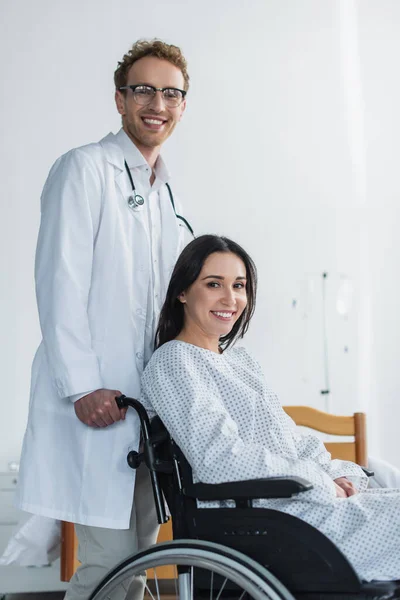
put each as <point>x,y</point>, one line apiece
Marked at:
<point>136,201</point>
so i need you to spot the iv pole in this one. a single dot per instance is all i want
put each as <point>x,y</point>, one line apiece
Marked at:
<point>326,390</point>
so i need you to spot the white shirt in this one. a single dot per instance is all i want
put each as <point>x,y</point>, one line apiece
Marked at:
<point>141,173</point>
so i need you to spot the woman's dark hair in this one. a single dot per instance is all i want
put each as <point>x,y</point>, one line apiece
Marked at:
<point>186,271</point>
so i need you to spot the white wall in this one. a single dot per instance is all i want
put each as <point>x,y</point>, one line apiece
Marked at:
<point>303,173</point>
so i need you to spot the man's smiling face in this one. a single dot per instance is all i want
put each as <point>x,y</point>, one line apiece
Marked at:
<point>149,126</point>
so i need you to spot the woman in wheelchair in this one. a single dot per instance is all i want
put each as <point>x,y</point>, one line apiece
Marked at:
<point>218,408</point>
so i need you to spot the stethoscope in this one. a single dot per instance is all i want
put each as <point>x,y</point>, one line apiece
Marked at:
<point>136,201</point>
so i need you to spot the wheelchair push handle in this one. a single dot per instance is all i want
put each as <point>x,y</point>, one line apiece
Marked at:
<point>120,400</point>
<point>135,459</point>
<point>124,402</point>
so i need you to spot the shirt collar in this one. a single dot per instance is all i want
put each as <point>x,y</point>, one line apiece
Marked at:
<point>161,170</point>
<point>135,158</point>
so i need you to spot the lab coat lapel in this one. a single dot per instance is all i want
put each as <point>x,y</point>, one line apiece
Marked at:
<point>115,157</point>
<point>112,151</point>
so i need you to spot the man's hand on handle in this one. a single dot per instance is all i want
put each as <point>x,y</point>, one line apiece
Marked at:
<point>99,409</point>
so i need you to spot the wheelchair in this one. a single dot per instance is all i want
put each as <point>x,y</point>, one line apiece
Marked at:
<point>236,551</point>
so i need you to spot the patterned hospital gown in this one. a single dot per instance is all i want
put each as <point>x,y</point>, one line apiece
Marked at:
<point>231,427</point>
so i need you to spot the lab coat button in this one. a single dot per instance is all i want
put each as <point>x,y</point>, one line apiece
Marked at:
<point>139,355</point>
<point>139,312</point>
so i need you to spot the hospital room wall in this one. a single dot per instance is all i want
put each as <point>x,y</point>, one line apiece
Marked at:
<point>288,145</point>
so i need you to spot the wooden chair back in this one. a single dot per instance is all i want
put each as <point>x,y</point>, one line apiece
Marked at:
<point>353,426</point>
<point>354,450</point>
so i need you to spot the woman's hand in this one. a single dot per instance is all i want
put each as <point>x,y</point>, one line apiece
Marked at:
<point>345,488</point>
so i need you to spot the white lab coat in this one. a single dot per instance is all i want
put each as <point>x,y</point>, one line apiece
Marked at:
<point>92,277</point>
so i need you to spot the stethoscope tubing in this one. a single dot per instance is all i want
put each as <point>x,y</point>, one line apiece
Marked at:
<point>139,200</point>
<point>135,200</point>
<point>176,214</point>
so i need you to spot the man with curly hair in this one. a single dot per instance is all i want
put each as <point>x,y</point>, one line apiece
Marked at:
<point>109,237</point>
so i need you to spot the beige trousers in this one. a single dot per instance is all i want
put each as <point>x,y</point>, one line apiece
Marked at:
<point>101,549</point>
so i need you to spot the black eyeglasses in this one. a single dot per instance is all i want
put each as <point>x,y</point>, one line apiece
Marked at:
<point>144,94</point>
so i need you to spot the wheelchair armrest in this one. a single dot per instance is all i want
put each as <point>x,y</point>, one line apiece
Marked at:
<point>273,487</point>
<point>368,472</point>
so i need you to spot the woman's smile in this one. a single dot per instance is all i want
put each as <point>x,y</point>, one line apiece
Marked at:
<point>223,315</point>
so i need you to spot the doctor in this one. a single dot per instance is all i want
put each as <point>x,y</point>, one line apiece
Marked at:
<point>109,237</point>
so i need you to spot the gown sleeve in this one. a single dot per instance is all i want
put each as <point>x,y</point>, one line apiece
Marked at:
<point>185,397</point>
<point>310,447</point>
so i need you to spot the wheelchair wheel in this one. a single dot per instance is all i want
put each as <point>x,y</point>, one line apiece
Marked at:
<point>202,570</point>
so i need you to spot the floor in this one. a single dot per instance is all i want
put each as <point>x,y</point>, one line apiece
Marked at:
<point>54,596</point>
<point>42,596</point>
<point>58,596</point>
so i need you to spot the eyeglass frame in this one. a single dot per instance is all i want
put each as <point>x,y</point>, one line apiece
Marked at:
<point>156,89</point>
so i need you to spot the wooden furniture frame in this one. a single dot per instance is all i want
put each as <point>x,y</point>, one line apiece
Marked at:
<point>69,551</point>
<point>353,426</point>
<point>355,450</point>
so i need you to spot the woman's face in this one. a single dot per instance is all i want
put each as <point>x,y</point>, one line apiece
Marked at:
<point>215,301</point>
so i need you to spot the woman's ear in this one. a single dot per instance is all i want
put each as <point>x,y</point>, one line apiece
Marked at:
<point>182,297</point>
